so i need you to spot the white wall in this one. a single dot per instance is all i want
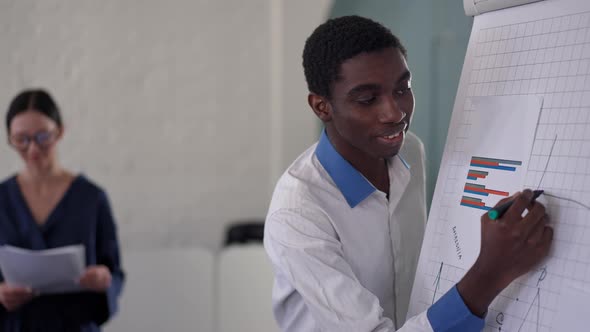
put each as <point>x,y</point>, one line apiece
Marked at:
<point>169,105</point>
<point>298,126</point>
<point>168,290</point>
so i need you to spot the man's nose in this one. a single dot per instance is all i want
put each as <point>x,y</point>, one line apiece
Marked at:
<point>391,112</point>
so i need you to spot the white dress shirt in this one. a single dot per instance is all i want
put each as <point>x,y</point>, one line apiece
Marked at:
<point>344,254</point>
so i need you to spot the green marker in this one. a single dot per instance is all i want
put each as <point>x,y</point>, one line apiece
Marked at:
<point>498,212</point>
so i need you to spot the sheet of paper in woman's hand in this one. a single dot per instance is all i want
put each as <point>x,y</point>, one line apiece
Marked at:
<point>55,270</point>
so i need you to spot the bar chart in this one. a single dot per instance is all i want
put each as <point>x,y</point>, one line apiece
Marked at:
<point>475,193</point>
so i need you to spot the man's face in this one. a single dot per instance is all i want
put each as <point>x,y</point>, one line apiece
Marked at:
<point>371,105</point>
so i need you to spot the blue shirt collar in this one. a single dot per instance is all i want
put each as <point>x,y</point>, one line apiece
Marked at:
<point>353,185</point>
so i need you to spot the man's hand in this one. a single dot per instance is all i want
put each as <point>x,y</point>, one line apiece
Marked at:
<point>96,278</point>
<point>510,247</point>
<point>13,298</point>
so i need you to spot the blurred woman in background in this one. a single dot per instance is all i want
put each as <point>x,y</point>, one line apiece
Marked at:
<point>46,206</point>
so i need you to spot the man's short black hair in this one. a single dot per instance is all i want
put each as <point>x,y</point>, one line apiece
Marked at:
<point>338,40</point>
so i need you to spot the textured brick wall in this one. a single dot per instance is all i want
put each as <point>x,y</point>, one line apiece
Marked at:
<point>167,103</point>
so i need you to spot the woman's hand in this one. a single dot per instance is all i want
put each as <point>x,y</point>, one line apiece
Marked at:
<point>13,297</point>
<point>96,278</point>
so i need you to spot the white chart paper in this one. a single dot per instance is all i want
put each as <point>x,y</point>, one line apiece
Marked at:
<point>488,165</point>
<point>540,49</point>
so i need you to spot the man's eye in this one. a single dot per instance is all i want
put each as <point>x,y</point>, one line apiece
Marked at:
<point>403,91</point>
<point>404,88</point>
<point>366,100</point>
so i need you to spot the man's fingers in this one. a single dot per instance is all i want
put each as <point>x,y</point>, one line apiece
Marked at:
<point>503,200</point>
<point>535,235</point>
<point>506,199</point>
<point>533,219</point>
<point>486,218</point>
<point>521,202</point>
<point>546,239</point>
<point>547,236</point>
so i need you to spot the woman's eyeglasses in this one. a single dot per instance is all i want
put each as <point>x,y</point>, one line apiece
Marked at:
<point>43,139</point>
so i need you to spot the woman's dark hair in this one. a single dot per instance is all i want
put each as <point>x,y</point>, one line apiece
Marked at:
<point>33,99</point>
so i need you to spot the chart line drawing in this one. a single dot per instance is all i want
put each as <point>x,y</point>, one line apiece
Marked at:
<point>547,55</point>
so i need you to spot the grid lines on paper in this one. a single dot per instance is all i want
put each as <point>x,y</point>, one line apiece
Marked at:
<point>549,58</point>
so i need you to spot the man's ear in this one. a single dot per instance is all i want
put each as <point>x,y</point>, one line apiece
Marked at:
<point>320,106</point>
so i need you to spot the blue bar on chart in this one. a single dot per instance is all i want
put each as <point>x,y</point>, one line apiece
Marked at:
<point>499,164</point>
<point>473,202</point>
<point>474,175</point>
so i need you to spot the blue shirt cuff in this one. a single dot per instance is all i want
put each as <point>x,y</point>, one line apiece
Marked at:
<point>450,314</point>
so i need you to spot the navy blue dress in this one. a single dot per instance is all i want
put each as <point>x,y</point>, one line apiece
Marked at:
<point>83,216</point>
